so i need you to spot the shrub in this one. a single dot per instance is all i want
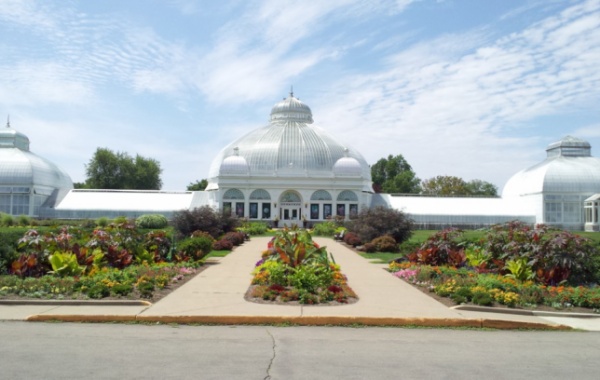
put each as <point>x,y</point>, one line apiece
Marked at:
<point>236,238</point>
<point>324,229</point>
<point>24,220</point>
<point>385,244</point>
<point>256,228</point>
<point>222,245</point>
<point>102,222</point>
<point>441,248</point>
<point>98,290</point>
<point>371,223</point>
<point>206,219</point>
<point>151,221</point>
<point>482,299</point>
<point>195,248</point>
<point>7,220</point>
<point>369,248</point>
<point>352,239</point>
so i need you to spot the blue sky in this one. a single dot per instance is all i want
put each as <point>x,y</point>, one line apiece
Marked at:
<point>472,88</point>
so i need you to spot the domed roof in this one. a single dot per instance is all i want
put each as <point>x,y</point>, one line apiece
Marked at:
<point>20,167</point>
<point>234,165</point>
<point>568,168</point>
<point>291,109</point>
<point>288,146</point>
<point>347,167</point>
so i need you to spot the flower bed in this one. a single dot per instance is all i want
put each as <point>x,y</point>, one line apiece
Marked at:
<point>464,286</point>
<point>294,269</point>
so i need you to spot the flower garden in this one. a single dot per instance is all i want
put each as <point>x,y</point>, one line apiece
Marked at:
<point>514,265</point>
<point>294,269</point>
<point>122,259</point>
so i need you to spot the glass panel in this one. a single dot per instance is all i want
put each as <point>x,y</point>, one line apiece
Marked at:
<point>253,210</point>
<point>239,209</point>
<point>314,211</point>
<point>260,194</point>
<point>227,208</point>
<point>347,195</point>
<point>266,210</point>
<point>233,194</point>
<point>327,211</point>
<point>320,195</point>
<point>353,210</point>
<point>341,210</point>
<point>5,203</point>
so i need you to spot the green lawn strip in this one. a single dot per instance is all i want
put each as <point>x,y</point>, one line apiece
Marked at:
<point>222,253</point>
<point>380,257</point>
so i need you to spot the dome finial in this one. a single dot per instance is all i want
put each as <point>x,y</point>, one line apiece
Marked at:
<point>292,91</point>
<point>8,121</point>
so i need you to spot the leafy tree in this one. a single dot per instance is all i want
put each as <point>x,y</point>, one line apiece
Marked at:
<point>109,170</point>
<point>394,175</point>
<point>79,185</point>
<point>451,185</point>
<point>479,187</point>
<point>371,223</point>
<point>198,185</point>
<point>444,185</point>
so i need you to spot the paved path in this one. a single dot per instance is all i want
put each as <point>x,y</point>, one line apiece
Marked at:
<point>216,295</point>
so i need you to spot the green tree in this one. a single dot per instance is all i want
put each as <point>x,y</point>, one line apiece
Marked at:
<point>451,185</point>
<point>198,185</point>
<point>110,170</point>
<point>482,188</point>
<point>394,175</point>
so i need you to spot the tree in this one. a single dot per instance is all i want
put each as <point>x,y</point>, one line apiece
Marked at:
<point>483,188</point>
<point>198,185</point>
<point>394,175</point>
<point>453,186</point>
<point>109,170</point>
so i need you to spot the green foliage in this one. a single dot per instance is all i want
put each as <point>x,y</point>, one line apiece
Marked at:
<point>198,185</point>
<point>24,220</point>
<point>394,175</point>
<point>65,264</point>
<point>110,170</point>
<point>371,223</point>
<point>206,219</point>
<point>295,247</point>
<point>7,220</point>
<point>520,269</point>
<point>254,228</point>
<point>328,228</point>
<point>102,222</point>
<point>455,186</point>
<point>154,221</point>
<point>194,248</point>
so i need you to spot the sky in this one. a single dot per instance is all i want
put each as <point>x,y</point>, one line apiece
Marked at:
<point>470,88</point>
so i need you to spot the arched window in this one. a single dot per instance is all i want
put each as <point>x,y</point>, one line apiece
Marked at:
<point>347,196</point>
<point>233,194</point>
<point>260,194</point>
<point>290,197</point>
<point>320,195</point>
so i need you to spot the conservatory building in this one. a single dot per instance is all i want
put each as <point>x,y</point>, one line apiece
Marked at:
<point>290,171</point>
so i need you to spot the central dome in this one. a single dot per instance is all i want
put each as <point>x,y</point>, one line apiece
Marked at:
<point>290,147</point>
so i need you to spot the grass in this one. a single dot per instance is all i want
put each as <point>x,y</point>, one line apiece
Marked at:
<point>380,257</point>
<point>222,253</point>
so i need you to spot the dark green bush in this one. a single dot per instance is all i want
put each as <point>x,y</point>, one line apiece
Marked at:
<point>324,229</point>
<point>482,299</point>
<point>256,228</point>
<point>195,248</point>
<point>8,246</point>
<point>151,221</point>
<point>371,223</point>
<point>98,291</point>
<point>7,220</point>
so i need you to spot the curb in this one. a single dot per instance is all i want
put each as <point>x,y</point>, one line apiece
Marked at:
<point>535,313</point>
<point>74,303</point>
<point>304,321</point>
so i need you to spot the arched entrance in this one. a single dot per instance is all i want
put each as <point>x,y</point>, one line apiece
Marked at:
<point>290,208</point>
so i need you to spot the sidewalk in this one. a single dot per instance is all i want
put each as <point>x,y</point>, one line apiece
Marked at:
<point>216,295</point>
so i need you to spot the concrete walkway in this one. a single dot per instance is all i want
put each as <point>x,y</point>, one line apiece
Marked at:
<point>216,295</point>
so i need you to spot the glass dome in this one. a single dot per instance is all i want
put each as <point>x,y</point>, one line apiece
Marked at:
<point>20,167</point>
<point>290,147</point>
<point>568,168</point>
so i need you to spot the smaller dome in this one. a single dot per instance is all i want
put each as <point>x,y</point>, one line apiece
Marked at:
<point>569,146</point>
<point>347,167</point>
<point>10,138</point>
<point>291,109</point>
<point>234,165</point>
